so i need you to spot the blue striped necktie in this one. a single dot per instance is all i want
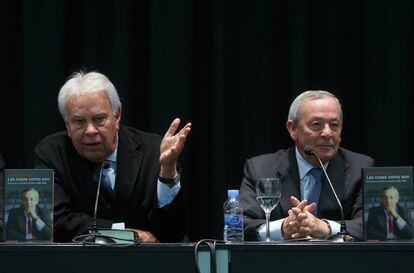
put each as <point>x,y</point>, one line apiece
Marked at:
<point>317,173</point>
<point>106,185</point>
<point>106,181</point>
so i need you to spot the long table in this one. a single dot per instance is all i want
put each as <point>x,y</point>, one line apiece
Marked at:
<point>306,257</point>
<point>249,257</point>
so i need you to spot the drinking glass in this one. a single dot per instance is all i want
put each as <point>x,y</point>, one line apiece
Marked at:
<point>268,192</point>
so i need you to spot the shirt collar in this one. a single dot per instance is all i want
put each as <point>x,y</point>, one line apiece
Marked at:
<point>303,165</point>
<point>112,157</point>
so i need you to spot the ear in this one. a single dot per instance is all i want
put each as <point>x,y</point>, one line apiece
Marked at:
<point>291,127</point>
<point>118,119</point>
<point>67,128</point>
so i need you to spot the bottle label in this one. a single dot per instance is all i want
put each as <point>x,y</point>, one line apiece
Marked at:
<point>233,220</point>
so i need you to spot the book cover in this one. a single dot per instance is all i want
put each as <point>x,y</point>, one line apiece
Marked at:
<point>28,205</point>
<point>388,203</point>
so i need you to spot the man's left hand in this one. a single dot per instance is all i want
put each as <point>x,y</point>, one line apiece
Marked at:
<point>171,147</point>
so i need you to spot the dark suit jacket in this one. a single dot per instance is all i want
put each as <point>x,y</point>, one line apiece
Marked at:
<point>344,171</point>
<point>16,225</point>
<point>135,188</point>
<point>377,224</point>
<point>2,196</point>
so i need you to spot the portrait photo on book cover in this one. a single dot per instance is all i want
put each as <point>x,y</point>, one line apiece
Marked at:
<point>389,213</point>
<point>28,214</point>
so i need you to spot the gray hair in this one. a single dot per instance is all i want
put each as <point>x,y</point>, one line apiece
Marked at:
<point>294,110</point>
<point>30,190</point>
<point>82,83</point>
<point>391,188</point>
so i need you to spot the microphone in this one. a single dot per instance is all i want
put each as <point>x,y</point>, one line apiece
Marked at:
<point>104,165</point>
<point>343,234</point>
<point>94,236</point>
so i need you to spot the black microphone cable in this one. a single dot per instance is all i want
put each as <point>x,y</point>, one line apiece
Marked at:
<point>211,244</point>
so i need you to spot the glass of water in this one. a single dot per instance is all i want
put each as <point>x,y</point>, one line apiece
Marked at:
<point>268,192</point>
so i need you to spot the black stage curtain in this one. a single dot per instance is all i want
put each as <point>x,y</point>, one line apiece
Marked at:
<point>230,67</point>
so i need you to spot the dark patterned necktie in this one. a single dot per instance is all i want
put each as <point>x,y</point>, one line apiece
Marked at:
<point>29,225</point>
<point>316,189</point>
<point>106,182</point>
<point>390,223</point>
<point>106,185</point>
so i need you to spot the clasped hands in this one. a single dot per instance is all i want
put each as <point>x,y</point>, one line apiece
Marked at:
<point>301,223</point>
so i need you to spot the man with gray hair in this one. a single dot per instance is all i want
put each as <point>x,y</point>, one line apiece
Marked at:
<point>390,220</point>
<point>141,186</point>
<point>307,207</point>
<point>29,221</point>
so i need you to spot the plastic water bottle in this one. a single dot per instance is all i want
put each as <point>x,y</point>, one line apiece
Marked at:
<point>233,218</point>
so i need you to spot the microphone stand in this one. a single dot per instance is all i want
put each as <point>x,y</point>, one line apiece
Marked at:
<point>94,236</point>
<point>343,235</point>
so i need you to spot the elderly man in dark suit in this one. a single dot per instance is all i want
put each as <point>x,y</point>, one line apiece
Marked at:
<point>315,119</point>
<point>141,187</point>
<point>390,220</point>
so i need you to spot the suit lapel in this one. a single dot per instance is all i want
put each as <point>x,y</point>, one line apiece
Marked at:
<point>289,173</point>
<point>21,220</point>
<point>129,160</point>
<point>337,173</point>
<point>382,221</point>
<point>83,168</point>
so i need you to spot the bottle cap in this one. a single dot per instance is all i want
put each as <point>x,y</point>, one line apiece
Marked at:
<point>233,193</point>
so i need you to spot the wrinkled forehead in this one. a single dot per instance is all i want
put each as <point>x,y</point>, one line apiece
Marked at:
<point>97,101</point>
<point>89,96</point>
<point>323,107</point>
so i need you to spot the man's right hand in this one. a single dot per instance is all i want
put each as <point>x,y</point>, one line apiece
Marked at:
<point>393,211</point>
<point>32,212</point>
<point>146,236</point>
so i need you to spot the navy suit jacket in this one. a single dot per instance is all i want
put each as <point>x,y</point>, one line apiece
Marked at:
<point>135,188</point>
<point>16,225</point>
<point>377,224</point>
<point>344,171</point>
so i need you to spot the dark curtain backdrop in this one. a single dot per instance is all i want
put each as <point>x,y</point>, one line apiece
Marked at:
<point>230,67</point>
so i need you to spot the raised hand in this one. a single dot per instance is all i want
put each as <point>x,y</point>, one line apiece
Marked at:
<point>171,147</point>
